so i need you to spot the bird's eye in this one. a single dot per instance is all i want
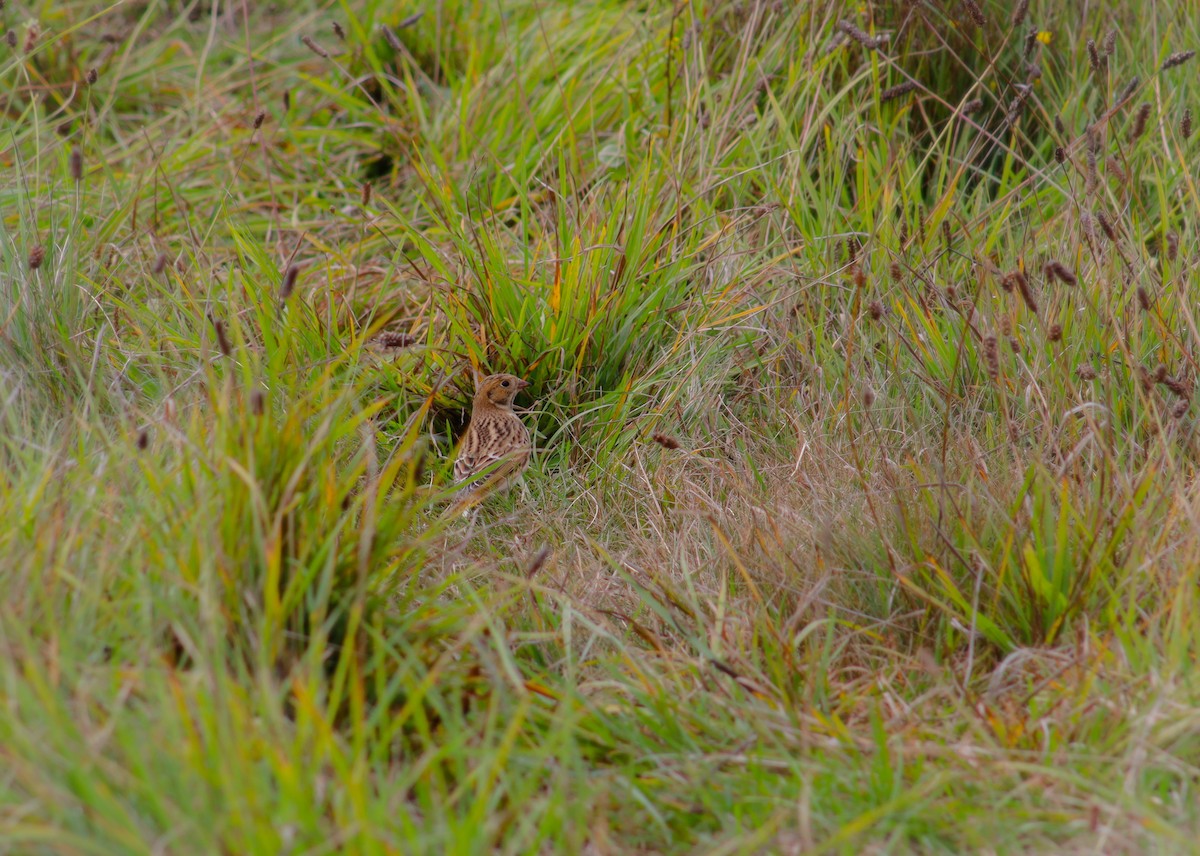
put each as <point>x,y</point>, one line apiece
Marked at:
<point>504,384</point>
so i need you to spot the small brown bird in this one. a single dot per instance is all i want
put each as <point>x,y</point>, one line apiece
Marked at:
<point>496,443</point>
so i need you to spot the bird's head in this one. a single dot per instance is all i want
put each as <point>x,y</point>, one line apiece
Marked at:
<point>499,390</point>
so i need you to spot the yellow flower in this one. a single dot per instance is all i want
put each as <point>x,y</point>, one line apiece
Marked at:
<point>1045,37</point>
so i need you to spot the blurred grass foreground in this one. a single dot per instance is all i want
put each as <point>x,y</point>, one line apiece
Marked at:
<point>863,341</point>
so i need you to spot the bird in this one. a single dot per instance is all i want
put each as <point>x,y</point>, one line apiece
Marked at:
<point>495,449</point>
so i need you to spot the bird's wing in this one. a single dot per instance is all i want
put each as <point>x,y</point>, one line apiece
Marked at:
<point>470,463</point>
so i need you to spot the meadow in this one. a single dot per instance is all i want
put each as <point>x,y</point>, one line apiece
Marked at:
<point>863,342</point>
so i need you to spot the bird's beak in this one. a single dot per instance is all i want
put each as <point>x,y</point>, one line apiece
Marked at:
<point>522,384</point>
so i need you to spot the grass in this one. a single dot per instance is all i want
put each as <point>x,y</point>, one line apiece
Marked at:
<point>863,343</point>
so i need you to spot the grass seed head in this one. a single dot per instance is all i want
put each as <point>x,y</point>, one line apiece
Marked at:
<point>665,440</point>
<point>1106,225</point>
<point>314,47</point>
<point>92,76</point>
<point>1086,371</point>
<point>1026,290</point>
<point>143,439</point>
<point>972,106</point>
<point>1172,245</point>
<point>259,118</point>
<point>338,31</point>
<point>868,397</point>
<point>289,282</point>
<point>1110,43</point>
<point>222,337</point>
<point>1060,155</point>
<point>391,339</point>
<point>1115,170</point>
<point>392,39</point>
<point>1054,334</point>
<point>1139,122</point>
<point>366,194</point>
<point>1181,408</point>
<point>894,92</point>
<point>876,310</point>
<point>1031,40</point>
<point>31,37</point>
<point>76,164</point>
<point>861,36</point>
<point>11,39</point>
<point>1129,89</point>
<point>991,356</point>
<point>160,263</point>
<point>1176,59</point>
<point>36,256</point>
<point>1185,124</point>
<point>1019,13</point>
<point>1178,386</point>
<point>974,12</point>
<point>1057,270</point>
<point>1093,55</point>
<point>1143,298</point>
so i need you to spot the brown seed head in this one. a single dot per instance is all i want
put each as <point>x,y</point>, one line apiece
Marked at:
<point>1181,408</point>
<point>1143,299</point>
<point>1178,387</point>
<point>1177,59</point>
<point>314,47</point>
<point>1139,122</point>
<point>991,356</point>
<point>392,39</point>
<point>92,76</point>
<point>1110,43</point>
<point>366,194</point>
<point>868,397</point>
<point>11,39</point>
<point>222,338</point>
<point>1185,124</point>
<point>338,31</point>
<point>894,92</point>
<point>876,310</point>
<point>1030,43</point>
<point>1022,283</point>
<point>1093,55</point>
<point>1110,230</point>
<point>1057,270</point>
<point>36,256</point>
<point>31,37</point>
<point>1086,371</point>
<point>1172,245</point>
<point>860,36</point>
<point>143,439</point>
<point>258,402</point>
<point>391,339</point>
<point>1128,91</point>
<point>1054,334</point>
<point>160,263</point>
<point>665,440</point>
<point>974,12</point>
<point>289,282</point>
<point>971,106</point>
<point>259,118</point>
<point>75,163</point>
<point>1019,13</point>
<point>538,561</point>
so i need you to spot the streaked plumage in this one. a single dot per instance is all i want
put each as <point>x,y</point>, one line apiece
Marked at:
<point>496,440</point>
